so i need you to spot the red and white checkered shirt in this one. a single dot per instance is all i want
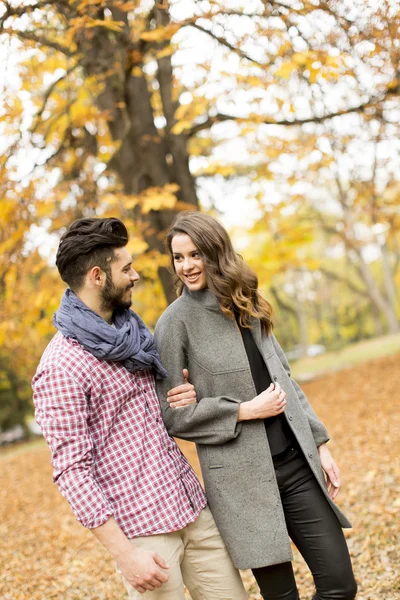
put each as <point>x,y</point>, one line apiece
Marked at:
<point>111,453</point>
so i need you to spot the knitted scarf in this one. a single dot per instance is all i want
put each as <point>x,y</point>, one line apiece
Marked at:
<point>128,342</point>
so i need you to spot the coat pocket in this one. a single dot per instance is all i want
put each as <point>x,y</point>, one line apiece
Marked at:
<point>214,458</point>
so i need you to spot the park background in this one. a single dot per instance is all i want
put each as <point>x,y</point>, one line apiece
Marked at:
<point>281,118</point>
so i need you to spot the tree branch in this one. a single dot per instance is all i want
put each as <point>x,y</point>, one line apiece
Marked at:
<point>43,41</point>
<point>345,280</point>
<point>360,108</point>
<point>48,93</point>
<point>279,300</point>
<point>224,42</point>
<point>19,11</point>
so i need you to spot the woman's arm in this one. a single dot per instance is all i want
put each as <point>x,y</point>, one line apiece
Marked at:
<point>319,430</point>
<point>212,420</point>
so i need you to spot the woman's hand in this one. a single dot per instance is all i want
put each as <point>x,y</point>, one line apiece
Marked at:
<point>270,403</point>
<point>331,471</point>
<point>182,395</point>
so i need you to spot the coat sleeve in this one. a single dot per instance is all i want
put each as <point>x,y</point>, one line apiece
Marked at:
<point>319,430</point>
<point>212,420</point>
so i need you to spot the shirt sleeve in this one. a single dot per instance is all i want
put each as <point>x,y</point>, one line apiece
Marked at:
<point>319,430</point>
<point>61,410</point>
<point>212,420</point>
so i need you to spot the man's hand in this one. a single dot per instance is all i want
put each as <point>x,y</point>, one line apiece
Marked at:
<point>142,569</point>
<point>182,395</point>
<point>331,470</point>
<point>270,403</point>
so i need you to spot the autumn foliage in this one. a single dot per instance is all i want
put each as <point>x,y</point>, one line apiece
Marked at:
<point>287,111</point>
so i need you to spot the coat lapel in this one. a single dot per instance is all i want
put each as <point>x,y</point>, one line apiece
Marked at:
<point>263,342</point>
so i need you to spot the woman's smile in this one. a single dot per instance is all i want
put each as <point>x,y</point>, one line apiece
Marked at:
<point>192,277</point>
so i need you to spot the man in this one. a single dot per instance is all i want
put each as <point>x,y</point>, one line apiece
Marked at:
<point>94,393</point>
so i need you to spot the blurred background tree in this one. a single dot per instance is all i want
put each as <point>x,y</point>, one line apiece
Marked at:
<point>285,114</point>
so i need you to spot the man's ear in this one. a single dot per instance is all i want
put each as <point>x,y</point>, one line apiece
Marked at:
<point>96,276</point>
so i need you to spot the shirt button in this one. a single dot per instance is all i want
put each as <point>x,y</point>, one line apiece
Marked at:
<point>310,455</point>
<point>157,420</point>
<point>275,378</point>
<point>290,417</point>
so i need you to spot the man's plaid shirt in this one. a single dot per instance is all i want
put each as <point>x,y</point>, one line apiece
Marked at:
<point>111,453</point>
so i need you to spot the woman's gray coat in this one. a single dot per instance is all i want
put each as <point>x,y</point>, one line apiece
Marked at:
<point>235,458</point>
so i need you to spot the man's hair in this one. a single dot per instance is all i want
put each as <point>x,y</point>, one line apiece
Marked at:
<point>89,243</point>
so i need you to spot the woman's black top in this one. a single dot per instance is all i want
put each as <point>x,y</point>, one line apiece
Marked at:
<point>280,436</point>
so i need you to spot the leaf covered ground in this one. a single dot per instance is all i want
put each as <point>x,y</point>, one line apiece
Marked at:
<point>45,554</point>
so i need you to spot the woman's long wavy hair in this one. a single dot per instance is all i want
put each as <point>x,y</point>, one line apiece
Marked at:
<point>231,280</point>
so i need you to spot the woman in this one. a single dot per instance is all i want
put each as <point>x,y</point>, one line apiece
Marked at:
<point>262,449</point>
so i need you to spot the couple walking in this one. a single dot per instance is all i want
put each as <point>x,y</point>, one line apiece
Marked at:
<point>268,473</point>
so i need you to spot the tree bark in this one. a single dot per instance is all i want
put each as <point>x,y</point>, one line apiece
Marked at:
<point>375,294</point>
<point>388,278</point>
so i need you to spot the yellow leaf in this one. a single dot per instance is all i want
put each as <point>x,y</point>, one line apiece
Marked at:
<point>181,126</point>
<point>313,75</point>
<point>332,62</point>
<point>113,25</point>
<point>160,34</point>
<point>153,36</point>
<point>167,51</point>
<point>137,246</point>
<point>137,72</point>
<point>300,58</point>
<point>159,198</point>
<point>286,69</point>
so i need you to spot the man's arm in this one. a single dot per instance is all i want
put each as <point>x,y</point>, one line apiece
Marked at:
<point>61,411</point>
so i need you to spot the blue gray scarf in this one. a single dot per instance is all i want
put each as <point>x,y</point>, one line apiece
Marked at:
<point>129,342</point>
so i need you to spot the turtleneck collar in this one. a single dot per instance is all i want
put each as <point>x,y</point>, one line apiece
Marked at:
<point>209,301</point>
<point>204,297</point>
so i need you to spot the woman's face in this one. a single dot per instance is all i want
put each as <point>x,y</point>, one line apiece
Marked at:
<point>188,262</point>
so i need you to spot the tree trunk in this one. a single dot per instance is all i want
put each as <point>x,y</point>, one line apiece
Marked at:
<point>388,278</point>
<point>146,157</point>
<point>299,303</point>
<point>303,330</point>
<point>374,292</point>
<point>376,315</point>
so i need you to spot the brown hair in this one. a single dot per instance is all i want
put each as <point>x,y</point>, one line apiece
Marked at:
<point>228,277</point>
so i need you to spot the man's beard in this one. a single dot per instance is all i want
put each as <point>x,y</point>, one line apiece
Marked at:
<point>112,296</point>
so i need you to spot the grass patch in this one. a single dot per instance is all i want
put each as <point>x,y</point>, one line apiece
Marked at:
<point>354,354</point>
<point>21,447</point>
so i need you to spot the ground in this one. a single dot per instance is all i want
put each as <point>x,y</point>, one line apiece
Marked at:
<point>45,554</point>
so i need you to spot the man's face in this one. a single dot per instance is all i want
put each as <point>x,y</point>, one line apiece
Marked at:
<point>117,289</point>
